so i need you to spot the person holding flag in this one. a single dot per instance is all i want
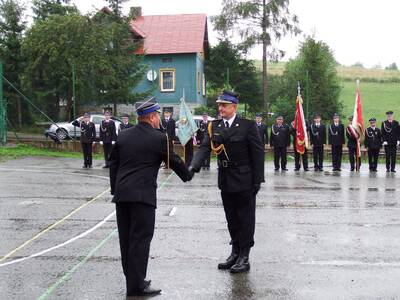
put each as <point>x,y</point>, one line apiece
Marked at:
<point>352,144</point>
<point>240,153</point>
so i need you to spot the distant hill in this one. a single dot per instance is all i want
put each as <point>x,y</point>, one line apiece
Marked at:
<point>344,72</point>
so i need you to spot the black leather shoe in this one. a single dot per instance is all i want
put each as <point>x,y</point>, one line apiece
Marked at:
<point>393,171</point>
<point>306,169</point>
<point>242,264</point>
<point>284,169</point>
<point>105,167</point>
<point>147,291</point>
<point>230,261</point>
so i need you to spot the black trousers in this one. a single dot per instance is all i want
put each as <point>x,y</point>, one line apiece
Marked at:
<point>240,213</point>
<point>337,153</point>
<point>297,159</point>
<point>373,155</point>
<point>135,228</point>
<point>318,154</point>
<point>352,157</point>
<point>87,154</point>
<point>280,157</point>
<point>188,152</point>
<point>107,147</point>
<point>390,151</point>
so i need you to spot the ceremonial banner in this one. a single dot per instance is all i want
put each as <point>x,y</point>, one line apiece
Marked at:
<point>300,125</point>
<point>186,125</point>
<point>357,125</point>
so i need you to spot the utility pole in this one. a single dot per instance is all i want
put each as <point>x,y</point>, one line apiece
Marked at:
<point>74,96</point>
<point>3,127</point>
<point>264,59</point>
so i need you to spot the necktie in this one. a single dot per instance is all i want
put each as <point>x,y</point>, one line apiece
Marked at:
<point>226,124</point>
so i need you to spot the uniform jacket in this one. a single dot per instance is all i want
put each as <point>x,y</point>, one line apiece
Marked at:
<point>88,131</point>
<point>336,135</point>
<point>351,140</point>
<point>122,126</point>
<point>202,132</point>
<point>263,131</point>
<point>244,166</point>
<point>108,132</point>
<point>280,136</point>
<point>390,132</point>
<point>169,127</point>
<point>134,165</point>
<point>317,135</point>
<point>373,138</point>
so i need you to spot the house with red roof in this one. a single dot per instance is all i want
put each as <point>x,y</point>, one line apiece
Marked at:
<point>175,49</point>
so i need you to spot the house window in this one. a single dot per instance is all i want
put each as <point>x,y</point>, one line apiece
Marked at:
<point>198,83</point>
<point>204,85</point>
<point>167,80</point>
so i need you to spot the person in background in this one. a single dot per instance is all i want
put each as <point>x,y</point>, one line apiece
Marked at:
<point>336,139</point>
<point>108,136</point>
<point>201,135</point>
<point>352,138</point>
<point>88,136</point>
<point>262,129</point>
<point>169,124</point>
<point>373,143</point>
<point>318,140</point>
<point>390,137</point>
<point>125,123</point>
<point>280,140</point>
<point>297,155</point>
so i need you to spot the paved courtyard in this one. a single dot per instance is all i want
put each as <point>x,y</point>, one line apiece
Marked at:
<point>318,236</point>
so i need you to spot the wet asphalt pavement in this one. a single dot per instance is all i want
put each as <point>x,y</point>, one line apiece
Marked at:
<point>318,236</point>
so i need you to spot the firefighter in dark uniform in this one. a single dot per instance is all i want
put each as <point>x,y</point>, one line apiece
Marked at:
<point>297,155</point>
<point>390,137</point>
<point>125,123</point>
<point>240,172</point>
<point>133,177</point>
<point>262,129</point>
<point>88,136</point>
<point>352,145</point>
<point>373,143</point>
<point>108,136</point>
<point>336,139</point>
<point>280,140</point>
<point>169,124</point>
<point>201,135</point>
<point>318,140</point>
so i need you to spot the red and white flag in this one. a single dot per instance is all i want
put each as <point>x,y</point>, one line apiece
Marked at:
<point>357,124</point>
<point>300,126</point>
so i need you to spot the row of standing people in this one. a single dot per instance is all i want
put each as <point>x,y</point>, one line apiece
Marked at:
<point>334,135</point>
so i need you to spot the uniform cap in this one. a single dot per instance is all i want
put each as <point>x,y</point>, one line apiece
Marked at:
<point>372,120</point>
<point>259,115</point>
<point>336,115</point>
<point>86,115</point>
<point>228,97</point>
<point>147,107</point>
<point>389,112</point>
<point>350,118</point>
<point>317,116</point>
<point>125,116</point>
<point>279,117</point>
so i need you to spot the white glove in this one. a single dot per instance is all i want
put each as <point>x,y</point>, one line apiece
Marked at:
<point>398,143</point>
<point>101,142</point>
<point>385,143</point>
<point>113,142</point>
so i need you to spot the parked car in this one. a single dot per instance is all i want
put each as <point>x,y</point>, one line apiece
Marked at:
<point>197,119</point>
<point>65,130</point>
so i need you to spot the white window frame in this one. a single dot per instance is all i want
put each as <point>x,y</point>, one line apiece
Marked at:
<point>161,72</point>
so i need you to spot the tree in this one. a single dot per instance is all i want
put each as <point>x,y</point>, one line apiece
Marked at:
<point>392,66</point>
<point>116,6</point>
<point>314,67</point>
<point>258,22</point>
<point>46,8</point>
<point>12,26</point>
<point>225,60</point>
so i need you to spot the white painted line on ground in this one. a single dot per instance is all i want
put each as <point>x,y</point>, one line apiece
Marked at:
<point>351,263</point>
<point>173,211</point>
<point>83,234</point>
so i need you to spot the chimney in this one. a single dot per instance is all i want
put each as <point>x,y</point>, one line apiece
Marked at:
<point>135,12</point>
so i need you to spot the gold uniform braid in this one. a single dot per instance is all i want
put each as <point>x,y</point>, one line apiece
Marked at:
<point>216,149</point>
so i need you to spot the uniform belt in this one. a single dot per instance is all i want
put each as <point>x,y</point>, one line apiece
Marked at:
<point>232,164</point>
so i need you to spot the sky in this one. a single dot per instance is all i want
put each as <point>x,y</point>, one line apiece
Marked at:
<point>365,31</point>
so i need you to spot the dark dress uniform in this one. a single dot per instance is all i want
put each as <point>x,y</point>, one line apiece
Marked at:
<point>169,127</point>
<point>263,132</point>
<point>201,135</point>
<point>352,145</point>
<point>390,135</point>
<point>336,139</point>
<point>318,140</point>
<point>133,177</point>
<point>240,173</point>
<point>123,126</point>
<point>297,155</point>
<point>373,142</point>
<point>108,135</point>
<point>280,140</point>
<point>88,136</point>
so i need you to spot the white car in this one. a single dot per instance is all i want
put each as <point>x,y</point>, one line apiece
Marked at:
<point>65,130</point>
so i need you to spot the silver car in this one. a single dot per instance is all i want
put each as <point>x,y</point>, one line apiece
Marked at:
<point>65,130</point>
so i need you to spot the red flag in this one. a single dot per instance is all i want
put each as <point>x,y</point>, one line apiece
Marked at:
<point>300,126</point>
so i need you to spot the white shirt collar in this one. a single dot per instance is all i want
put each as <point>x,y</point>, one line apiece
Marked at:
<point>317,124</point>
<point>230,121</point>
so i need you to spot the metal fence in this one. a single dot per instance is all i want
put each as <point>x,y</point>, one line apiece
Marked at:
<point>3,111</point>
